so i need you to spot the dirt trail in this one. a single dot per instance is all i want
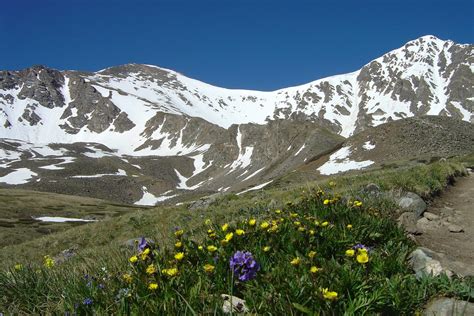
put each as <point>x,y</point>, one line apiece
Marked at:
<point>455,207</point>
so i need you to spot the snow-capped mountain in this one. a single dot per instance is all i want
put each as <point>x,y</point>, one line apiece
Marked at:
<point>142,110</point>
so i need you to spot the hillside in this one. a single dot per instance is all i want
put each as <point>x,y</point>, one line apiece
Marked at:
<point>140,134</point>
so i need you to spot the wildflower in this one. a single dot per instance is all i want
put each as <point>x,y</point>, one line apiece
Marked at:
<point>252,222</point>
<point>209,268</point>
<point>127,278</point>
<point>144,254</point>
<point>301,229</point>
<point>200,247</point>
<point>211,248</point>
<point>314,269</point>
<point>18,267</point>
<point>297,223</point>
<point>152,286</point>
<point>225,227</point>
<point>311,232</point>
<point>48,262</point>
<point>317,223</point>
<point>150,269</point>
<point>244,265</point>
<point>293,215</point>
<point>229,237</point>
<point>87,301</point>
<point>179,233</point>
<point>329,295</point>
<point>312,254</point>
<point>142,244</point>
<point>170,272</point>
<point>349,226</point>
<point>326,202</point>
<point>277,211</point>
<point>362,256</point>
<point>357,203</point>
<point>179,256</point>
<point>296,261</point>
<point>332,184</point>
<point>178,244</point>
<point>264,225</point>
<point>324,224</point>
<point>350,252</point>
<point>266,249</point>
<point>208,222</point>
<point>273,229</point>
<point>133,259</point>
<point>239,232</point>
<point>360,246</point>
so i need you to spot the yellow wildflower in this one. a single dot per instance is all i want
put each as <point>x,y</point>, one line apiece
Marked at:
<point>326,202</point>
<point>297,223</point>
<point>239,232</point>
<point>357,203</point>
<point>127,278</point>
<point>18,267</point>
<point>296,261</point>
<point>179,256</point>
<point>264,225</point>
<point>329,295</point>
<point>314,269</point>
<point>150,269</point>
<point>252,222</point>
<point>211,248</point>
<point>324,224</point>
<point>209,268</point>
<point>301,229</point>
<point>179,233</point>
<point>152,286</point>
<point>170,272</point>
<point>178,244</point>
<point>48,262</point>
<point>350,252</point>
<point>362,257</point>
<point>266,249</point>
<point>293,215</point>
<point>273,229</point>
<point>349,226</point>
<point>312,254</point>
<point>208,222</point>
<point>312,232</point>
<point>277,211</point>
<point>332,184</point>
<point>200,247</point>
<point>317,223</point>
<point>229,237</point>
<point>133,259</point>
<point>225,227</point>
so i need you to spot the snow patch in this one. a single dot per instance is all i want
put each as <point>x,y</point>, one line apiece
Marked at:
<point>340,162</point>
<point>255,187</point>
<point>56,219</point>
<point>19,176</point>
<point>368,145</point>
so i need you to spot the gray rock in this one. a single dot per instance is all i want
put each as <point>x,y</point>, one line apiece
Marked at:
<point>65,255</point>
<point>233,304</point>
<point>412,202</point>
<point>425,224</point>
<point>453,228</point>
<point>371,188</point>
<point>430,216</point>
<point>449,307</point>
<point>423,263</point>
<point>408,221</point>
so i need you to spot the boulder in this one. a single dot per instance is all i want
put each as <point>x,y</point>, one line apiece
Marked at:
<point>412,202</point>
<point>408,221</point>
<point>423,262</point>
<point>448,307</point>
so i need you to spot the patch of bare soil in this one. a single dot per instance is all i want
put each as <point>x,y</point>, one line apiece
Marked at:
<point>452,227</point>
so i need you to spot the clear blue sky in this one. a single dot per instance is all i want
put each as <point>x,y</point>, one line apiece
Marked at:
<point>254,44</point>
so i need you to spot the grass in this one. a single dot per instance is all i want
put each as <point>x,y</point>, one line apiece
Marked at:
<point>384,284</point>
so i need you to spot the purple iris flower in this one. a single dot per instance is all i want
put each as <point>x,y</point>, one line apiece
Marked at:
<point>244,266</point>
<point>87,301</point>
<point>142,244</point>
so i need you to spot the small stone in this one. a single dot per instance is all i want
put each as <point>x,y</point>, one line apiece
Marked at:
<point>453,228</point>
<point>408,222</point>
<point>430,216</point>
<point>371,188</point>
<point>424,224</point>
<point>449,307</point>
<point>233,304</point>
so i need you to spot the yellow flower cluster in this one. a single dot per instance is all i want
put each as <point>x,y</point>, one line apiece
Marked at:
<point>48,262</point>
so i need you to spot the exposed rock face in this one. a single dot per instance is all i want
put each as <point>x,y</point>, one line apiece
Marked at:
<point>445,306</point>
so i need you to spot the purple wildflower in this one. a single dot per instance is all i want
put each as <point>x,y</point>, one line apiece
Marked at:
<point>142,244</point>
<point>87,301</point>
<point>244,266</point>
<point>361,246</point>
